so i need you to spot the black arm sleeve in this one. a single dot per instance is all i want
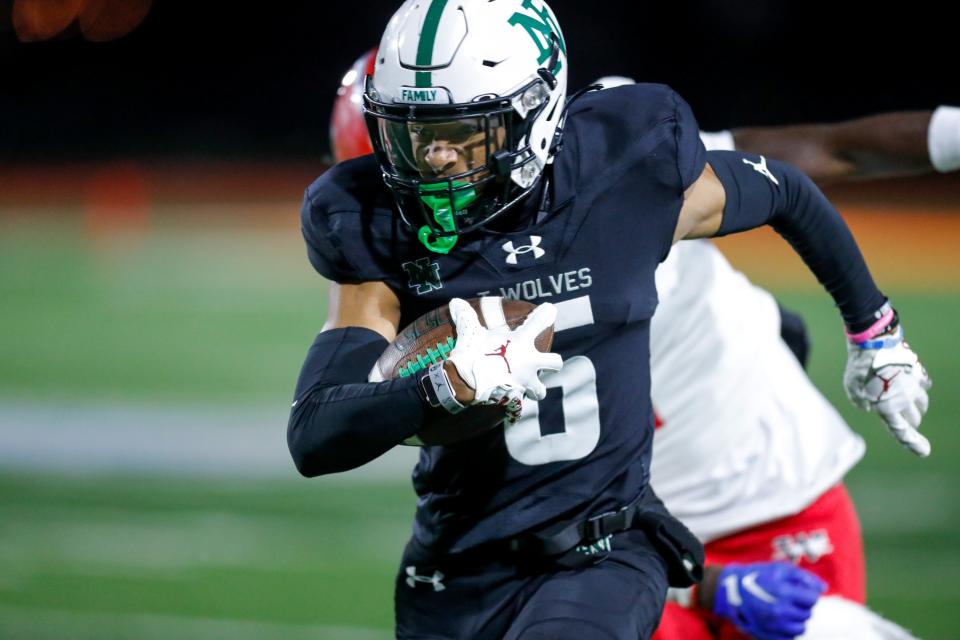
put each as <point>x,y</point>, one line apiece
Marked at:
<point>763,191</point>
<point>339,421</point>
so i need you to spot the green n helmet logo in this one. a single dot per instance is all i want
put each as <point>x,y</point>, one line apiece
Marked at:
<point>540,27</point>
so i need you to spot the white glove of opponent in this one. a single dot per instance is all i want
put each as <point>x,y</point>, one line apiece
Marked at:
<point>501,365</point>
<point>885,375</point>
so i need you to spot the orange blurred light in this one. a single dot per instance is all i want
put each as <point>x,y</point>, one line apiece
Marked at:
<point>117,203</point>
<point>104,20</point>
<point>99,20</point>
<point>36,20</point>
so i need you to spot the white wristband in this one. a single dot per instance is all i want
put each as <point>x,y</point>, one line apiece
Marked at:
<point>683,597</point>
<point>718,140</point>
<point>442,389</point>
<point>943,139</point>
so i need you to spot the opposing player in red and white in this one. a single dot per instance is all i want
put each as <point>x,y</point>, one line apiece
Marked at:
<point>749,454</point>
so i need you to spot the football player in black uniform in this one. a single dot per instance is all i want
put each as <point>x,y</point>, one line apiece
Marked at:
<point>487,181</point>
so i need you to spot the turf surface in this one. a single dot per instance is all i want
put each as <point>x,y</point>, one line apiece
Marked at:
<point>196,315</point>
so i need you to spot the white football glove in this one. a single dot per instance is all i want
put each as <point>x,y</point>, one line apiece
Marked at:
<point>501,365</point>
<point>891,381</point>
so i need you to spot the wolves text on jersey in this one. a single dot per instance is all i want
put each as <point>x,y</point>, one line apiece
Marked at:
<point>546,287</point>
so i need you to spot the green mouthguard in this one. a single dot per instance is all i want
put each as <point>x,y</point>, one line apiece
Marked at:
<point>437,197</point>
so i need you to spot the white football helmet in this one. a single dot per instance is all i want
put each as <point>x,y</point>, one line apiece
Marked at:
<point>463,109</point>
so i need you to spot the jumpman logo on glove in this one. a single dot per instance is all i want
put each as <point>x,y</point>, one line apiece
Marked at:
<point>502,352</point>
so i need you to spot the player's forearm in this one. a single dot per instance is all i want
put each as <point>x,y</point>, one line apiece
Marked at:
<point>701,595</point>
<point>883,145</point>
<point>889,144</point>
<point>339,421</point>
<point>342,427</point>
<point>763,191</point>
<point>707,589</point>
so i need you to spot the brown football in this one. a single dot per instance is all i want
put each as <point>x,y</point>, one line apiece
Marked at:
<point>429,339</point>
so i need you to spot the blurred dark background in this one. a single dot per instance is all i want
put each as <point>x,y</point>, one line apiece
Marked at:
<point>256,79</point>
<point>156,301</point>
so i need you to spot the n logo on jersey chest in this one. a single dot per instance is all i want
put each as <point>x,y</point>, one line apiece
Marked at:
<point>423,275</point>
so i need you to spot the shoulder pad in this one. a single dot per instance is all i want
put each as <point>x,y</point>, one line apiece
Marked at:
<point>643,128</point>
<point>340,210</point>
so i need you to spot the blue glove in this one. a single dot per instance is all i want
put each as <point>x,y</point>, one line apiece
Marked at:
<point>767,600</point>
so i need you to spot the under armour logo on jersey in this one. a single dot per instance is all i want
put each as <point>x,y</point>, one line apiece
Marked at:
<point>761,168</point>
<point>802,546</point>
<point>534,246</point>
<point>436,579</point>
<point>423,275</point>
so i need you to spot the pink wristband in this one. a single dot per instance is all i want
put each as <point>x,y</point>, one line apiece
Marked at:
<point>875,329</point>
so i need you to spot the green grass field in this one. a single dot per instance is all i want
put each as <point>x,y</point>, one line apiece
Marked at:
<point>201,316</point>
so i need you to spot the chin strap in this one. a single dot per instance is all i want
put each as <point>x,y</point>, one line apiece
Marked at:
<point>437,196</point>
<point>433,243</point>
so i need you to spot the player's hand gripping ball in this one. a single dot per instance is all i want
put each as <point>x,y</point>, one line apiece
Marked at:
<point>498,347</point>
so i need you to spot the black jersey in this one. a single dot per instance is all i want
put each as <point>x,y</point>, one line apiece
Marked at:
<point>617,190</point>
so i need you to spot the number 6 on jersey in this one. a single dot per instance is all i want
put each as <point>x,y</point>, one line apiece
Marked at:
<point>526,440</point>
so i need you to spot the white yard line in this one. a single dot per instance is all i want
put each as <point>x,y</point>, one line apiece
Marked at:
<point>161,440</point>
<point>41,624</point>
<point>251,443</point>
